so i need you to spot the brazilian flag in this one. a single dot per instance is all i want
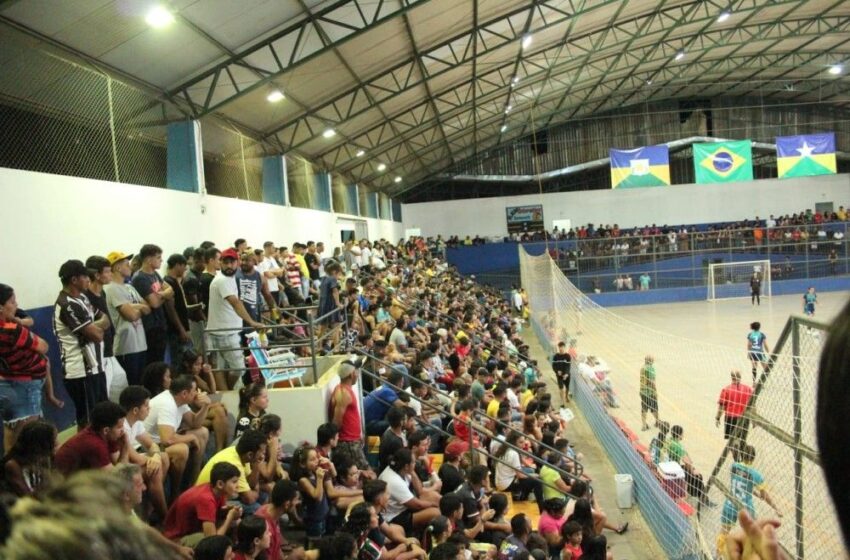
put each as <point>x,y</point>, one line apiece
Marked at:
<point>722,162</point>
<point>805,155</point>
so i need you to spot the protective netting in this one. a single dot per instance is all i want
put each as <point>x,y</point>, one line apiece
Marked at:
<point>690,376</point>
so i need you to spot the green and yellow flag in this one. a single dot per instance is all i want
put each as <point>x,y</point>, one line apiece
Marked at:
<point>723,162</point>
<point>804,155</point>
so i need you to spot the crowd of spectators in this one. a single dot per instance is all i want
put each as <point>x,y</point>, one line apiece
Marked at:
<point>147,345</point>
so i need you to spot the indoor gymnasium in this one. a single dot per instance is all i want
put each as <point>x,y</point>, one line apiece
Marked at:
<point>425,279</point>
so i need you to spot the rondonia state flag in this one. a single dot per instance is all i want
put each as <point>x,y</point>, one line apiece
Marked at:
<point>805,155</point>
<point>648,166</point>
<point>721,162</point>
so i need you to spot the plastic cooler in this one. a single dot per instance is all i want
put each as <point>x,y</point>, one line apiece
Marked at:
<point>672,479</point>
<point>625,486</point>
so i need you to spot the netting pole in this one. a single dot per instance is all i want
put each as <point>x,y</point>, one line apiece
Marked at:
<point>112,129</point>
<point>797,409</point>
<point>244,169</point>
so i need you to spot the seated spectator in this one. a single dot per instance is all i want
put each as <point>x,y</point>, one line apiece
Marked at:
<point>327,437</point>
<point>99,445</point>
<point>419,442</point>
<point>347,487</point>
<point>316,483</point>
<point>550,523</point>
<point>497,528</point>
<point>216,547</point>
<point>194,515</point>
<point>572,535</point>
<point>141,449</point>
<point>437,532</point>
<point>362,521</point>
<point>580,490</point>
<point>27,465</point>
<point>378,403</point>
<point>253,402</point>
<point>509,474</point>
<point>271,468</point>
<point>515,543</point>
<point>676,452</point>
<point>554,485</point>
<point>395,437</point>
<point>252,538</point>
<point>658,444</point>
<point>450,472</point>
<point>248,452</point>
<point>175,427</point>
<point>404,508</point>
<point>446,551</point>
<point>217,420</point>
<point>283,500</point>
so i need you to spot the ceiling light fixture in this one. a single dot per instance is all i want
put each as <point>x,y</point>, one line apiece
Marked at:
<point>724,15</point>
<point>508,109</point>
<point>274,96</point>
<point>360,153</point>
<point>836,69</point>
<point>329,133</point>
<point>382,167</point>
<point>159,17</point>
<point>649,82</point>
<point>526,41</point>
<point>397,180</point>
<point>504,127</point>
<point>680,55</point>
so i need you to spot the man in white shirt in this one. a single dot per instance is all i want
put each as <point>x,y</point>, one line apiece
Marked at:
<point>365,256</point>
<point>172,424</point>
<point>224,321</point>
<point>271,270</point>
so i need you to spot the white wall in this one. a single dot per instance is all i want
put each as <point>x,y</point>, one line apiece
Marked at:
<point>48,219</point>
<point>678,204</point>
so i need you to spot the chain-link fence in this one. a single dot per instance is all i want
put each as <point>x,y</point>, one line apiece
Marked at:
<point>233,161</point>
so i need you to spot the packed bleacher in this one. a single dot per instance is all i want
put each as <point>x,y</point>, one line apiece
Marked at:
<point>458,427</point>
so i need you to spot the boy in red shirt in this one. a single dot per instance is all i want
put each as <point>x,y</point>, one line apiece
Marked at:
<point>193,516</point>
<point>100,445</point>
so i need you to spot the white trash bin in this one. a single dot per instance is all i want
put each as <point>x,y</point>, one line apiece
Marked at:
<point>625,487</point>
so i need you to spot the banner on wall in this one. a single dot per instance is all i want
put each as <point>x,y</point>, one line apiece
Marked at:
<point>648,166</point>
<point>524,218</point>
<point>722,162</point>
<point>805,155</point>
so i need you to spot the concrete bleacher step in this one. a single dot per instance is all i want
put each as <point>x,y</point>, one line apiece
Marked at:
<point>529,508</point>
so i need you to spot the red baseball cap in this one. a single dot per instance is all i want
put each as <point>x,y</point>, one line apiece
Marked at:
<point>230,254</point>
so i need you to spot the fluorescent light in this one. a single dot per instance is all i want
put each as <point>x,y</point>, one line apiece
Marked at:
<point>329,133</point>
<point>649,82</point>
<point>526,41</point>
<point>397,180</point>
<point>836,69</point>
<point>159,17</point>
<point>515,80</point>
<point>360,153</point>
<point>724,15</point>
<point>680,55</point>
<point>504,127</point>
<point>275,96</point>
<point>382,167</point>
<point>508,109</point>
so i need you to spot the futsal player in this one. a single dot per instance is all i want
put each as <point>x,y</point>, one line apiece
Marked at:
<point>810,298</point>
<point>757,349</point>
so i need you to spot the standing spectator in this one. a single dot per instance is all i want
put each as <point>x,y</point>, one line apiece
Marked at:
<point>25,372</point>
<point>251,285</point>
<point>345,414</point>
<point>79,328</point>
<point>365,256</point>
<point>212,264</point>
<point>298,252</point>
<point>732,403</point>
<point>561,363</point>
<point>192,291</point>
<point>100,275</point>
<point>271,270</point>
<point>648,392</point>
<point>100,445</point>
<point>150,286</point>
<point>126,309</point>
<point>177,309</point>
<point>329,301</point>
<point>644,281</point>
<point>225,319</point>
<point>314,265</point>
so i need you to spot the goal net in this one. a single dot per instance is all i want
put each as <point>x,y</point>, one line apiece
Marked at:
<point>690,375</point>
<point>738,279</point>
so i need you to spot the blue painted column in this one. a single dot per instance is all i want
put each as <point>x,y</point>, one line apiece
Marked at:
<point>185,157</point>
<point>275,189</point>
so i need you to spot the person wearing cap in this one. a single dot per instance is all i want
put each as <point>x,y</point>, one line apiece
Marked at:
<point>79,328</point>
<point>100,275</point>
<point>344,411</point>
<point>225,320</point>
<point>126,308</point>
<point>153,288</point>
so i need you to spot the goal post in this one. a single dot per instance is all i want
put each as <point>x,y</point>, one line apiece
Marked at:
<point>732,279</point>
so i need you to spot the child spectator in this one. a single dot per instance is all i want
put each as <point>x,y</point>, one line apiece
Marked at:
<point>314,489</point>
<point>252,538</point>
<point>253,402</point>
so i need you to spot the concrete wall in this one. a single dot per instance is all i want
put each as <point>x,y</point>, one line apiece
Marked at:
<point>678,204</point>
<point>48,219</point>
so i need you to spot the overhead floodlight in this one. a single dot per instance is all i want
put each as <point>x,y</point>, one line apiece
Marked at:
<point>397,180</point>
<point>836,69</point>
<point>526,41</point>
<point>274,96</point>
<point>649,82</point>
<point>680,55</point>
<point>159,17</point>
<point>724,15</point>
<point>504,127</point>
<point>382,167</point>
<point>360,153</point>
<point>329,133</point>
<point>508,109</point>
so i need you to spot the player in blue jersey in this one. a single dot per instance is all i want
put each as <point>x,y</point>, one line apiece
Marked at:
<point>810,298</point>
<point>746,481</point>
<point>757,350</point>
